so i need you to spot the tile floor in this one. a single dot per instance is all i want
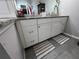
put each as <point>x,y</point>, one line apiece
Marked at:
<point>68,50</point>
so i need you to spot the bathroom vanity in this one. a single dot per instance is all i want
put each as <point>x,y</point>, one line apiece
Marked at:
<point>31,31</point>
<point>37,29</point>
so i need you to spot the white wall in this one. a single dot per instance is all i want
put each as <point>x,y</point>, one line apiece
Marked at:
<point>71,8</point>
<point>7,8</point>
<point>22,2</point>
<point>49,5</point>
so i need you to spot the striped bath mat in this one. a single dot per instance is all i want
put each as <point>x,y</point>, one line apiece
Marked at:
<point>43,48</point>
<point>61,39</point>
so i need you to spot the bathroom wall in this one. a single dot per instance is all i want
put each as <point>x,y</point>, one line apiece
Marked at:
<point>71,8</point>
<point>49,5</point>
<point>22,2</point>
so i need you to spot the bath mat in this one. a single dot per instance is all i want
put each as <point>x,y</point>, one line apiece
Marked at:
<point>61,39</point>
<point>43,48</point>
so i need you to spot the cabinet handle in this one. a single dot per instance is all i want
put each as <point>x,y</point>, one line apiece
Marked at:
<point>31,32</point>
<point>32,41</point>
<point>38,26</point>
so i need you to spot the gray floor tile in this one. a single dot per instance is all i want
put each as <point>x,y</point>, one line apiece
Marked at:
<point>68,50</point>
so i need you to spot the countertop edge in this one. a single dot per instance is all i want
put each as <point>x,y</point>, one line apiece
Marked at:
<point>33,17</point>
<point>29,18</point>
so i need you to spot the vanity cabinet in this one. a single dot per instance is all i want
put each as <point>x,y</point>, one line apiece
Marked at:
<point>30,33</point>
<point>38,30</point>
<point>10,42</point>
<point>7,8</point>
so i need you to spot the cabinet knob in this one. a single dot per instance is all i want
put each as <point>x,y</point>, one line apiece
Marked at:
<point>32,41</point>
<point>38,26</point>
<point>31,32</point>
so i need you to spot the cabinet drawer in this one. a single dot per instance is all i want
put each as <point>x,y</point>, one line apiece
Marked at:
<point>40,21</point>
<point>30,43</point>
<point>30,35</point>
<point>28,22</point>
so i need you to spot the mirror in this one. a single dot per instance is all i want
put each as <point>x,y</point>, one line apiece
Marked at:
<point>37,7</point>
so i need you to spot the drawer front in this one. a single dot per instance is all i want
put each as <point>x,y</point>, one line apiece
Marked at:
<point>30,35</point>
<point>40,21</point>
<point>28,22</point>
<point>31,43</point>
<point>28,44</point>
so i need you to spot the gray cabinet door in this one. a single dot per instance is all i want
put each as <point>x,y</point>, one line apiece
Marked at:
<point>3,53</point>
<point>44,31</point>
<point>10,42</point>
<point>57,28</point>
<point>58,25</point>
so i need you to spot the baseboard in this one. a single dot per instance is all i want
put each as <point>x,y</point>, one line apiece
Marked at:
<point>72,36</point>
